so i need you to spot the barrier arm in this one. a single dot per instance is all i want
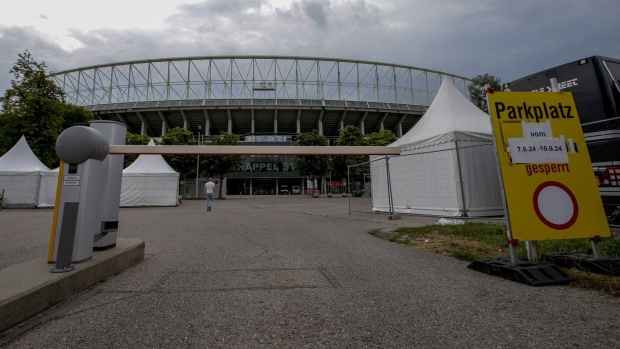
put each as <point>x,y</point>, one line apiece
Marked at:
<point>253,150</point>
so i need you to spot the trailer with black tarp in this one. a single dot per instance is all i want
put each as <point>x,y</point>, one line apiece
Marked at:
<point>595,85</point>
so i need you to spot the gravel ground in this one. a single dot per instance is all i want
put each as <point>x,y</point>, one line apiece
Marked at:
<point>294,272</point>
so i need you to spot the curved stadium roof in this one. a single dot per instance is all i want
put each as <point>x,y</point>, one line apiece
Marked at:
<point>255,94</point>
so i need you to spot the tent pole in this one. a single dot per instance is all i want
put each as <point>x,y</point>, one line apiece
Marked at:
<point>36,197</point>
<point>458,163</point>
<point>349,185</point>
<point>390,201</point>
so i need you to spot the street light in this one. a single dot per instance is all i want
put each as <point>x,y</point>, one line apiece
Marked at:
<point>198,162</point>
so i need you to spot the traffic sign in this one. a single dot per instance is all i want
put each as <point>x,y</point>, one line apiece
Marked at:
<point>549,185</point>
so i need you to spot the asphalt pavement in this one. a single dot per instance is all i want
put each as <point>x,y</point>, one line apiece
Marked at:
<point>295,272</point>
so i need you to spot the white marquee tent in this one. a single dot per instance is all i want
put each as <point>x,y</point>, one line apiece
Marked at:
<point>47,188</point>
<point>149,181</point>
<point>20,175</point>
<point>447,166</point>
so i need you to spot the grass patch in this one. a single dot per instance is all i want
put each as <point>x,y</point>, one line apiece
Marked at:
<point>610,247</point>
<point>474,241</point>
<point>468,242</point>
<point>591,281</point>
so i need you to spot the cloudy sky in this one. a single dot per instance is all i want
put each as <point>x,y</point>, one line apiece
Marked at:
<point>505,38</point>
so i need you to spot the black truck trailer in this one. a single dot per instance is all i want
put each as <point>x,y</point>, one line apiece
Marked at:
<point>595,85</point>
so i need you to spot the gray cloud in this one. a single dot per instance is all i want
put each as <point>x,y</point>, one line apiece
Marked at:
<point>508,39</point>
<point>15,40</point>
<point>317,11</point>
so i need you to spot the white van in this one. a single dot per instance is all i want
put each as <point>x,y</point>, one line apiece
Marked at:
<point>295,189</point>
<point>284,189</point>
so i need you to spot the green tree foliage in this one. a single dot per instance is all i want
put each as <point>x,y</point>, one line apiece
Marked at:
<point>74,115</point>
<point>311,166</point>
<point>349,136</point>
<point>219,166</point>
<point>381,138</point>
<point>352,136</point>
<point>34,107</point>
<point>134,139</point>
<point>476,90</point>
<point>184,165</point>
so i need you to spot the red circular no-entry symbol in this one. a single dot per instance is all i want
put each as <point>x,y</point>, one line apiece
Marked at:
<point>555,205</point>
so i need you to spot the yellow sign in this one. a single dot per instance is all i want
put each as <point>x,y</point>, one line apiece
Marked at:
<point>550,188</point>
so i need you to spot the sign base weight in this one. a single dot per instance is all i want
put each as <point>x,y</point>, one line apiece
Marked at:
<point>582,261</point>
<point>533,274</point>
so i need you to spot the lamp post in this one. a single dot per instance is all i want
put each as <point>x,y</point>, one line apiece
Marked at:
<point>198,162</point>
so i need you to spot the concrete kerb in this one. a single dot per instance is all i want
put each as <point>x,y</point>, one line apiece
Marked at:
<point>29,288</point>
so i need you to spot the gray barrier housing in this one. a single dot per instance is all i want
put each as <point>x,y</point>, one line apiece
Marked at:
<point>89,193</point>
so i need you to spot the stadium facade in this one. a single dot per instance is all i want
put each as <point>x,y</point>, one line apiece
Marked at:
<point>266,100</point>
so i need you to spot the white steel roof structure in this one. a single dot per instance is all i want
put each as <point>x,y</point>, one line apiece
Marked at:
<point>255,95</point>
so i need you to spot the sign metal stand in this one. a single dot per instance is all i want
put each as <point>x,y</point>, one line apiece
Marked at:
<point>535,274</point>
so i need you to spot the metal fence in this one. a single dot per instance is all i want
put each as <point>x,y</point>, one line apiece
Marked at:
<point>447,180</point>
<point>455,181</point>
<point>603,141</point>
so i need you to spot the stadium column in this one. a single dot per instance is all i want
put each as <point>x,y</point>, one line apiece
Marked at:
<point>230,124</point>
<point>381,127</point>
<point>253,123</point>
<point>362,122</point>
<point>164,123</point>
<point>185,121</point>
<point>275,124</point>
<point>320,123</point>
<point>399,126</point>
<point>298,121</point>
<point>146,128</point>
<point>124,122</point>
<point>344,113</point>
<point>207,122</point>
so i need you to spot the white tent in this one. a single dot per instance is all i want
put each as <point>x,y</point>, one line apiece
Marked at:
<point>149,181</point>
<point>447,166</point>
<point>20,173</point>
<point>47,188</point>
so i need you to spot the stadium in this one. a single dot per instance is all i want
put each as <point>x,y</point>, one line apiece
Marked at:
<point>266,100</point>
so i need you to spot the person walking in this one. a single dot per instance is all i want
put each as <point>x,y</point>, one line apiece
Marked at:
<point>209,189</point>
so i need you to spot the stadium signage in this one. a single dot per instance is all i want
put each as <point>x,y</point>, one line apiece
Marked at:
<point>549,186</point>
<point>265,167</point>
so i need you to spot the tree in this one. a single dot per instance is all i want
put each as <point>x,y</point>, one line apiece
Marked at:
<point>381,138</point>
<point>476,90</point>
<point>34,107</point>
<point>134,139</point>
<point>349,136</point>
<point>184,165</point>
<point>311,166</point>
<point>352,136</point>
<point>74,115</point>
<point>222,165</point>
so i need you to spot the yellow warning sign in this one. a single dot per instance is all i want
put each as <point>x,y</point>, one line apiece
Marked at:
<point>550,188</point>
